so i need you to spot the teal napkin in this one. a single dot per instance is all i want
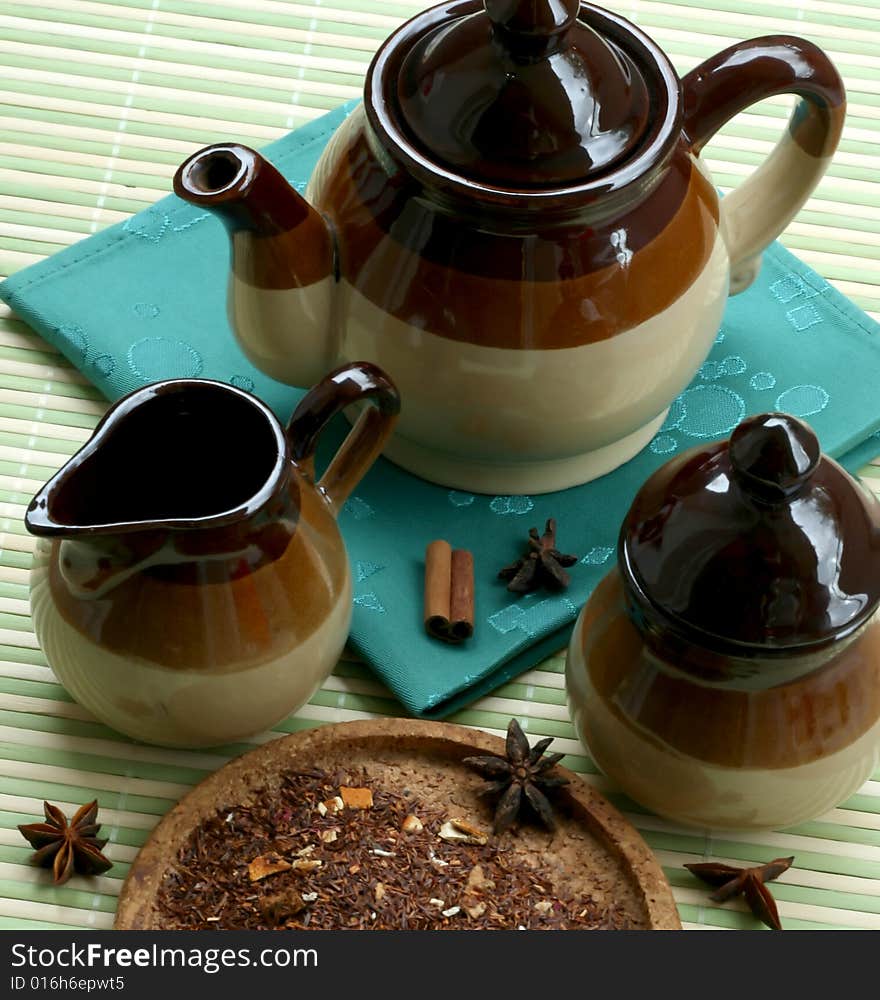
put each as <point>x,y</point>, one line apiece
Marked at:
<point>145,300</point>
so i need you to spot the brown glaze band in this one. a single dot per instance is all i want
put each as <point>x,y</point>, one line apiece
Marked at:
<point>218,591</point>
<point>183,563</point>
<point>279,240</point>
<point>750,71</point>
<point>355,383</point>
<point>216,615</point>
<point>781,725</point>
<point>557,287</point>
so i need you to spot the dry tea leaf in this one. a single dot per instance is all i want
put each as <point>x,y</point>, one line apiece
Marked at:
<point>357,798</point>
<point>267,864</point>
<point>373,876</point>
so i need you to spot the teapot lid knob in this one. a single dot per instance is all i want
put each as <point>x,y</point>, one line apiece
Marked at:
<point>522,23</point>
<point>526,93</point>
<point>773,455</point>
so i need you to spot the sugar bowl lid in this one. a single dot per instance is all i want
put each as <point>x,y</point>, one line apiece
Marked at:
<point>526,92</point>
<point>759,541</point>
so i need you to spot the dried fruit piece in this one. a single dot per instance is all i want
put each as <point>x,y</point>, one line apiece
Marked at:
<point>357,798</point>
<point>281,906</point>
<point>412,824</point>
<point>305,865</point>
<point>266,865</point>
<point>459,831</point>
<point>476,878</point>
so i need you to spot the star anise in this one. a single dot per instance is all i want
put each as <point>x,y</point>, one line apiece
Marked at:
<point>748,881</point>
<point>541,566</point>
<point>67,846</point>
<point>522,775</point>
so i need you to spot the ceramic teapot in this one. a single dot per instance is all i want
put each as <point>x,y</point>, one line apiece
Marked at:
<point>726,673</point>
<point>516,225</point>
<point>190,586</point>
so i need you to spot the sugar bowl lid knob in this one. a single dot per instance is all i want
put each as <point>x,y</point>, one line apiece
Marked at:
<point>773,455</point>
<point>760,541</point>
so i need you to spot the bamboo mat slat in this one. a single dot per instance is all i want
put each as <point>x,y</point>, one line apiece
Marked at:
<point>99,101</point>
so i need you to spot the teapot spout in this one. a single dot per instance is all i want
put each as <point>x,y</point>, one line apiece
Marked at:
<point>282,277</point>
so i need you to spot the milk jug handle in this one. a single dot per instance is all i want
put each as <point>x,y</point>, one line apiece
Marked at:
<point>758,210</point>
<point>353,383</point>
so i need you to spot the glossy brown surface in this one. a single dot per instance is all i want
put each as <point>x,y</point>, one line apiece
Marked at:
<point>215,615</point>
<point>730,712</point>
<point>523,94</point>
<point>549,282</point>
<point>348,385</point>
<point>158,463</point>
<point>761,544</point>
<point>750,71</point>
<point>515,193</point>
<point>582,158</point>
<point>279,240</point>
<point>187,532</point>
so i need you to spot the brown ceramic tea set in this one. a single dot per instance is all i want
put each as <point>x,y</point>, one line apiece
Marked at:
<point>519,203</point>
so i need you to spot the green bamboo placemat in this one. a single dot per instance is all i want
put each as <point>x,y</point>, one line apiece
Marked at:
<point>99,101</point>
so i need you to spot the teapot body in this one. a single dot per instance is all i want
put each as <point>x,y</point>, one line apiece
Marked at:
<point>534,351</point>
<point>720,743</point>
<point>204,652</point>
<point>517,226</point>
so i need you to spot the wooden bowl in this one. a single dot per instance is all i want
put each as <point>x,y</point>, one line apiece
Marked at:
<point>593,844</point>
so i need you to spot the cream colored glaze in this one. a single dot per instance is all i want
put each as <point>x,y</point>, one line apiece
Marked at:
<point>757,211</point>
<point>518,421</point>
<point>179,707</point>
<point>288,334</point>
<point>702,794</point>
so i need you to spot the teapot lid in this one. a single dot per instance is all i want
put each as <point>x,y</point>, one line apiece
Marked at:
<point>526,93</point>
<point>757,541</point>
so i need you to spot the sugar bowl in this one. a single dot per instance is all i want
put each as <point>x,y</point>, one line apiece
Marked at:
<point>726,673</point>
<point>190,585</point>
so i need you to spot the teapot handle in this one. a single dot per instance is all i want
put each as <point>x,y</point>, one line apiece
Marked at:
<point>349,384</point>
<point>758,210</point>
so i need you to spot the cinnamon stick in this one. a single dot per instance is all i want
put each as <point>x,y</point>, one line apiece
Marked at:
<point>449,592</point>
<point>461,602</point>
